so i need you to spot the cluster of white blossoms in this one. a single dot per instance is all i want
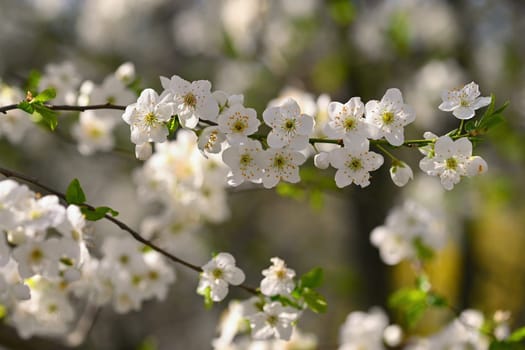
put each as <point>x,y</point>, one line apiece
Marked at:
<point>368,330</point>
<point>190,188</point>
<point>371,331</point>
<point>94,130</point>
<point>226,127</point>
<point>266,317</point>
<point>44,260</point>
<point>408,229</point>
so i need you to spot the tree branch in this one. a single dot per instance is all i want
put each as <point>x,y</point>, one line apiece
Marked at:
<point>12,174</point>
<point>7,108</point>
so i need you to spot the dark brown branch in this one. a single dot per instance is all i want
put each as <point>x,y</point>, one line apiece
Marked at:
<point>9,173</point>
<point>7,108</point>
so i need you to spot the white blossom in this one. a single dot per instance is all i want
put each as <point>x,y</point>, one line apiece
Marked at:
<point>274,320</point>
<point>193,101</point>
<point>401,173</point>
<point>278,279</point>
<point>363,330</point>
<point>289,127</point>
<point>451,160</point>
<point>143,151</point>
<point>237,122</point>
<point>279,164</point>
<point>93,133</point>
<point>242,160</point>
<point>346,120</point>
<point>217,274</point>
<point>147,117</point>
<point>388,117</point>
<point>211,139</point>
<point>463,102</point>
<point>354,162</point>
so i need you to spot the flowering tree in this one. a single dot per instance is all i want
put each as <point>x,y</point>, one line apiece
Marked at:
<point>187,148</point>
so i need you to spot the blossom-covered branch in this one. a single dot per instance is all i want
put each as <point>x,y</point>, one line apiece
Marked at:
<point>12,174</point>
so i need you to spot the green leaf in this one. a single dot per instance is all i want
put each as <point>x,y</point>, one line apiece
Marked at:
<point>32,81</point>
<point>98,213</point>
<point>48,116</point>
<point>208,301</point>
<point>491,121</point>
<point>490,109</point>
<point>517,335</point>
<point>44,96</point>
<point>315,301</point>
<point>148,344</point>
<point>3,311</point>
<point>313,278</point>
<point>173,125</point>
<point>286,301</point>
<point>505,345</point>
<point>410,303</point>
<point>74,193</point>
<point>26,107</point>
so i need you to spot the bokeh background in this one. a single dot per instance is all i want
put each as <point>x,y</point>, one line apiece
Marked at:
<point>265,49</point>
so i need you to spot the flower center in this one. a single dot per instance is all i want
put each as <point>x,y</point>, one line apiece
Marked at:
<point>279,162</point>
<point>355,164</point>
<point>239,126</point>
<point>349,124</point>
<point>150,119</point>
<point>52,308</point>
<point>388,117</point>
<point>217,273</point>
<point>190,100</point>
<point>289,125</point>
<point>451,163</point>
<point>124,259</point>
<point>153,275</point>
<point>272,320</point>
<point>36,255</point>
<point>246,159</point>
<point>281,274</point>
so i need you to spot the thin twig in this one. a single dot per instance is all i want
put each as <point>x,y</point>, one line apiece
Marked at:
<point>52,107</point>
<point>12,174</point>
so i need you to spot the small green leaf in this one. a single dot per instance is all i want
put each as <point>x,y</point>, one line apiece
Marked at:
<point>313,278</point>
<point>286,301</point>
<point>32,81</point>
<point>74,193</point>
<point>208,301</point>
<point>173,125</point>
<point>48,116</point>
<point>505,345</point>
<point>3,311</point>
<point>517,335</point>
<point>26,107</point>
<point>315,301</point>
<point>98,213</point>
<point>410,303</point>
<point>148,344</point>
<point>436,300</point>
<point>44,96</point>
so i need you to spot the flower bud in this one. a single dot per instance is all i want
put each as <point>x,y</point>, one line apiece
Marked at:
<point>143,151</point>
<point>476,165</point>
<point>401,173</point>
<point>321,160</point>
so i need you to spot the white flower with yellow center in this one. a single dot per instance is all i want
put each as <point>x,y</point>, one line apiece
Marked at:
<point>217,274</point>
<point>193,101</point>
<point>93,133</point>
<point>354,162</point>
<point>280,164</point>
<point>237,122</point>
<point>274,320</point>
<point>278,278</point>
<point>242,160</point>
<point>289,127</point>
<point>346,120</point>
<point>451,160</point>
<point>147,117</point>
<point>388,117</point>
<point>463,102</point>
